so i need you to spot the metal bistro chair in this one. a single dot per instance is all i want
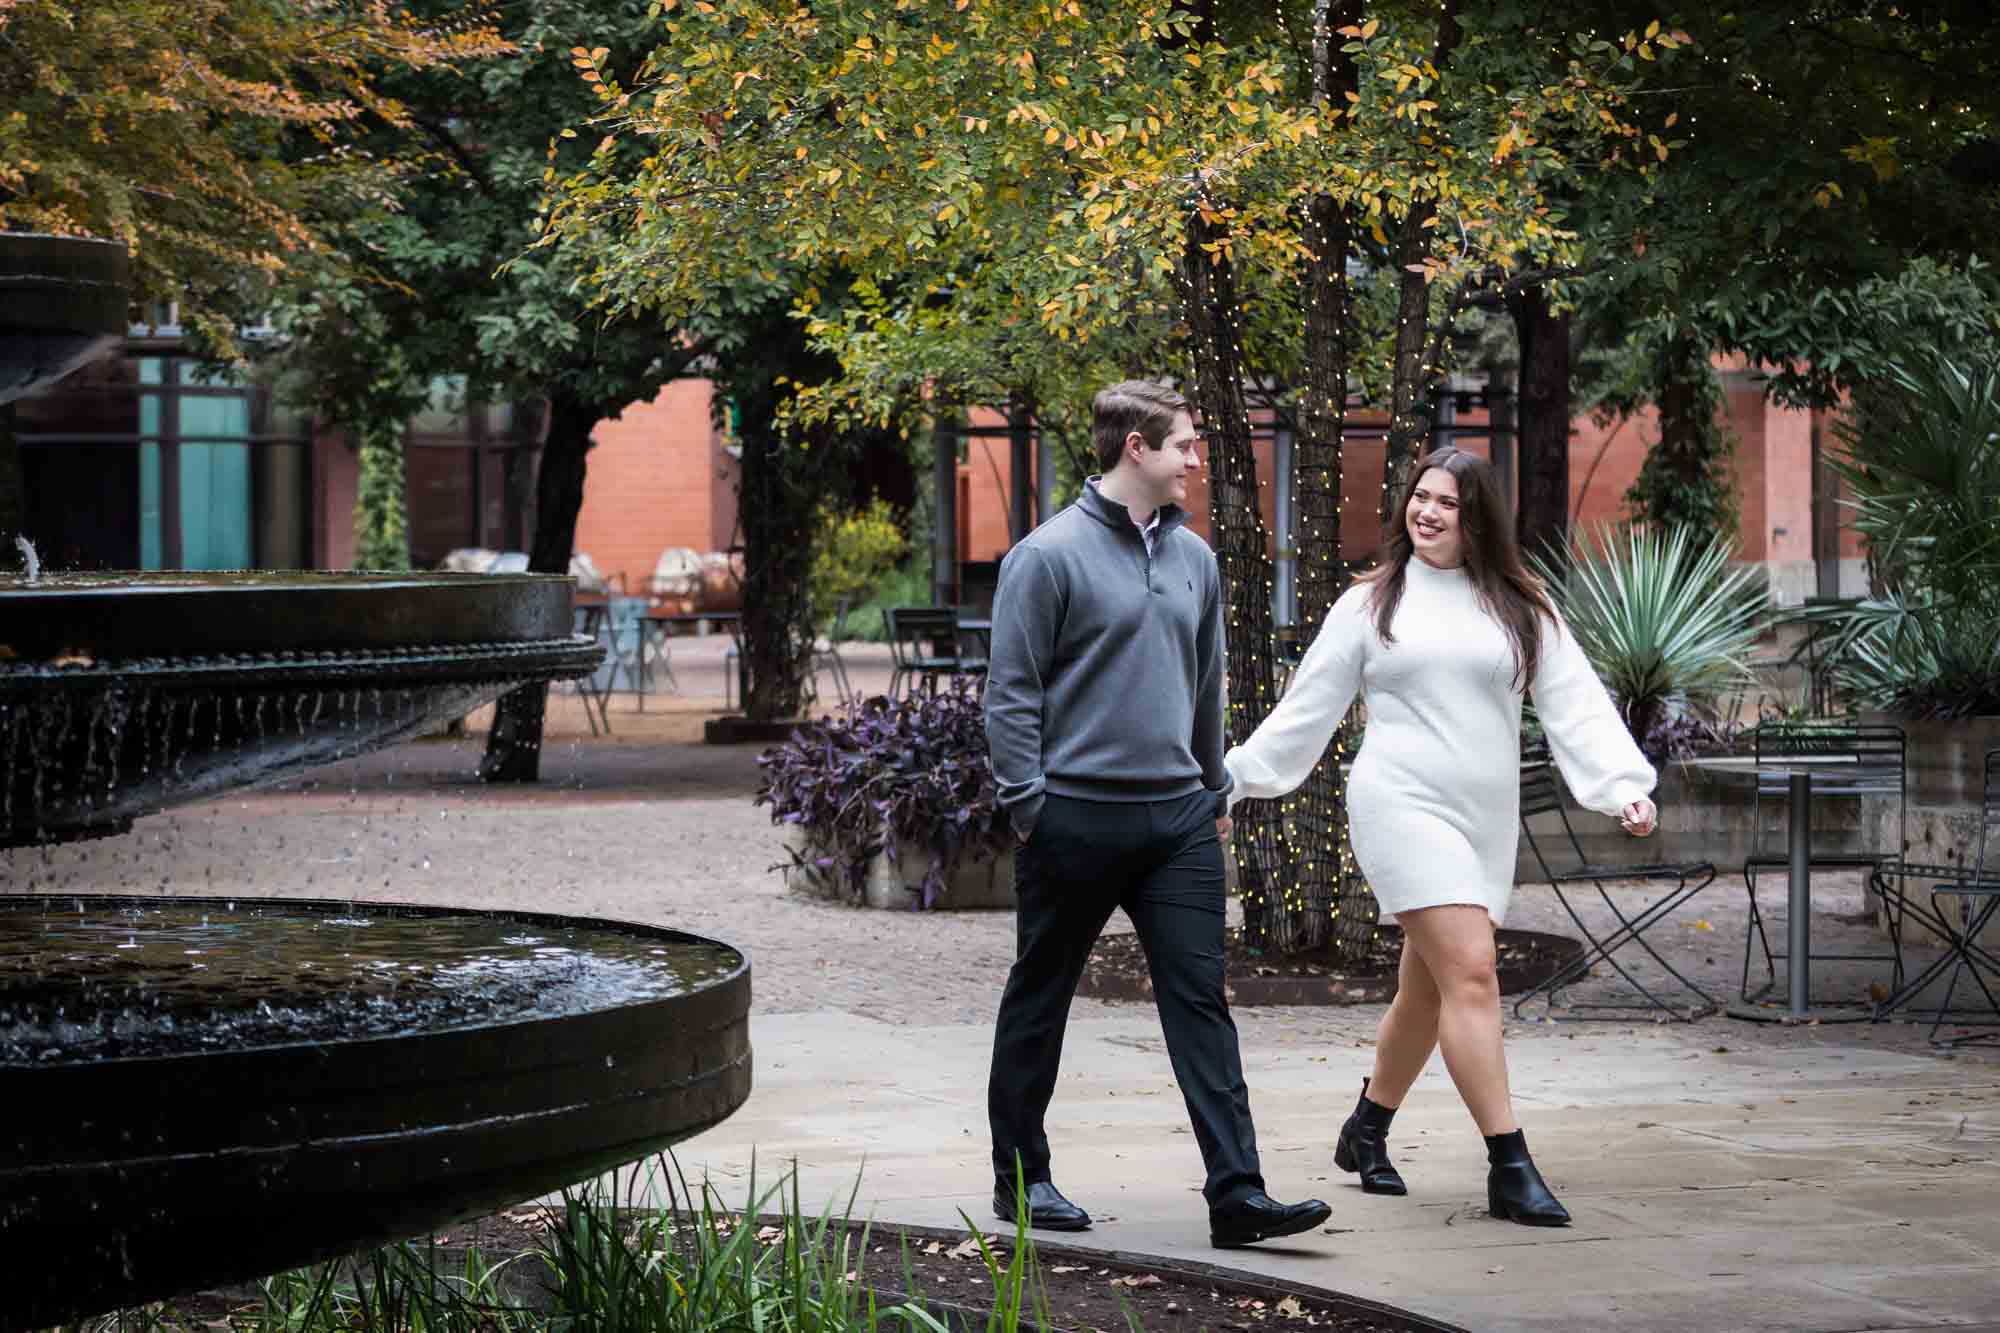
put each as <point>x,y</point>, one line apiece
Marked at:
<point>1541,794</point>
<point>826,653</point>
<point>588,620</point>
<point>625,655</point>
<point>1977,896</point>
<point>1861,760</point>
<point>975,648</point>
<point>916,636</point>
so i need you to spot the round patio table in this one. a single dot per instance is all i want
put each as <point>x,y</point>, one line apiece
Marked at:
<point>1797,774</point>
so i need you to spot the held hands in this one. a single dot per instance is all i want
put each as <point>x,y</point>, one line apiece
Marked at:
<point>1639,818</point>
<point>1223,827</point>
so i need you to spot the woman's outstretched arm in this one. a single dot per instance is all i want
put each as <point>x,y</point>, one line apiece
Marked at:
<point>1595,753</point>
<point>1281,753</point>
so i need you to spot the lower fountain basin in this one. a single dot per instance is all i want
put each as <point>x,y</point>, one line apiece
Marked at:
<point>121,695</point>
<point>201,1091</point>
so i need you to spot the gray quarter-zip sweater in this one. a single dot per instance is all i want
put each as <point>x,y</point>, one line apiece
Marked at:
<point>1105,680</point>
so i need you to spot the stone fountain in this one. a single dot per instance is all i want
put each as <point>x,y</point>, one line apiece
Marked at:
<point>203,1090</point>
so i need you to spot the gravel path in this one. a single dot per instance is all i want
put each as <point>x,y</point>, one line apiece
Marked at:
<point>666,833</point>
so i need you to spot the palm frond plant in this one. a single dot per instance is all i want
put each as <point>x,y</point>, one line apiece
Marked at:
<point>1921,471</point>
<point>1666,620</point>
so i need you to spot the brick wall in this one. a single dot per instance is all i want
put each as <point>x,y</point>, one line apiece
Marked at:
<point>336,482</point>
<point>658,477</point>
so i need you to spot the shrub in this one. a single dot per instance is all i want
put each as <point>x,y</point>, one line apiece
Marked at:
<point>1922,473</point>
<point>887,773</point>
<point>908,584</point>
<point>852,553</point>
<point>1666,623</point>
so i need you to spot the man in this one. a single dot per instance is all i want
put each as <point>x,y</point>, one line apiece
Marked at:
<point>1104,721</point>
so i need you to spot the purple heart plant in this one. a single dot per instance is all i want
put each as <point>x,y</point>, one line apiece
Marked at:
<point>886,773</point>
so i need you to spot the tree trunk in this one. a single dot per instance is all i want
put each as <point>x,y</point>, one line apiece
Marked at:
<point>1410,399</point>
<point>1415,379</point>
<point>1284,906</point>
<point>514,746</point>
<point>382,503</point>
<point>1542,514</point>
<point>1684,481</point>
<point>776,507</point>
<point>1317,814</point>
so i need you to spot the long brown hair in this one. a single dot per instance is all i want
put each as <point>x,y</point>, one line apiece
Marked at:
<point>1510,594</point>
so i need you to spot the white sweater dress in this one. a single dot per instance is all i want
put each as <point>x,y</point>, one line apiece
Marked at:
<point>1433,805</point>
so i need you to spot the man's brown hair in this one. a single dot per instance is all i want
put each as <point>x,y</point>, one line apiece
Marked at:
<point>1131,405</point>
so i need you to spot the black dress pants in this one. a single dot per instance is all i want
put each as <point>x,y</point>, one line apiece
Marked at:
<point>1162,862</point>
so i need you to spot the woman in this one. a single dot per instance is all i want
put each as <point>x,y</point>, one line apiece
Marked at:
<point>1441,641</point>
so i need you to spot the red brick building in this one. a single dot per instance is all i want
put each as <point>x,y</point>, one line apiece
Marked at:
<point>142,462</point>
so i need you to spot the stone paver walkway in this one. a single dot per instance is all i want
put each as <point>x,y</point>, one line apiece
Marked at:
<point>1725,1175</point>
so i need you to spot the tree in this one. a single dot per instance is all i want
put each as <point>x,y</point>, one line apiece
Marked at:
<point>158,123</point>
<point>1076,169</point>
<point>1817,151</point>
<point>430,281</point>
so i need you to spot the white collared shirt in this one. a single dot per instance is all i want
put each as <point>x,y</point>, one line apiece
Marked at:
<point>1150,531</point>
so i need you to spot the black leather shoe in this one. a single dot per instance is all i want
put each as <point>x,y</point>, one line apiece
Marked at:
<point>1258,1216</point>
<point>1048,1210</point>
<point>1363,1147</point>
<point>1515,1190</point>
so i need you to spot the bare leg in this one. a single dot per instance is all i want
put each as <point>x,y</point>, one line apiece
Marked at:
<point>1456,944</point>
<point>1409,1031</point>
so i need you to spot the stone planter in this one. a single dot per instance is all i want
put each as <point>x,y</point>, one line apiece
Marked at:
<point>978,883</point>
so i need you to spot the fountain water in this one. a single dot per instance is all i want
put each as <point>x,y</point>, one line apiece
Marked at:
<point>203,1090</point>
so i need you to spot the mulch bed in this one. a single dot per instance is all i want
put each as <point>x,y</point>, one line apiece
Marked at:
<point>1117,969</point>
<point>1098,1292</point>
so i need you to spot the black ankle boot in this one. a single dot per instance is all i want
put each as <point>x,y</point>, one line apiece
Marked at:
<point>1363,1146</point>
<point>1514,1188</point>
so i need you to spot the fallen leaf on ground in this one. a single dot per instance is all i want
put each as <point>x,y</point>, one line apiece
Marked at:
<point>935,1247</point>
<point>1137,1280</point>
<point>768,1234</point>
<point>1290,1307</point>
<point>1068,1268</point>
<point>966,1249</point>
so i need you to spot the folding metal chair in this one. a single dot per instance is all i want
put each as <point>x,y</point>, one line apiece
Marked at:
<point>1976,896</point>
<point>915,636</point>
<point>826,654</point>
<point>1850,760</point>
<point>626,652</point>
<point>1541,794</point>
<point>589,621</point>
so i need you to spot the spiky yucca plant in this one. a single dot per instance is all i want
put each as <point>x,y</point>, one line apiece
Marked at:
<point>1922,473</point>
<point>1662,616</point>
